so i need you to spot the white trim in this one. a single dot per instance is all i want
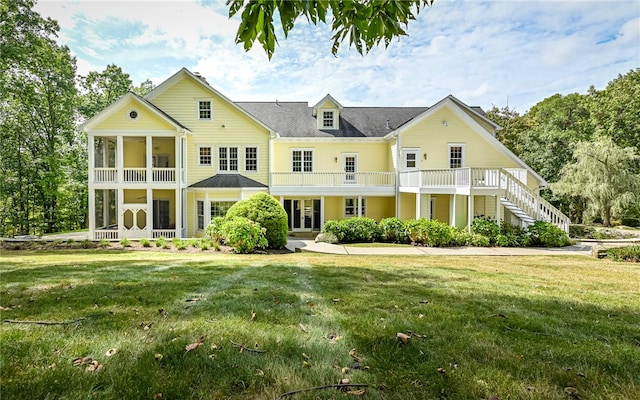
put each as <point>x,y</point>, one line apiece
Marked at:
<point>133,110</point>
<point>403,159</point>
<point>302,150</point>
<point>462,156</point>
<point>335,118</point>
<point>244,158</point>
<point>228,158</point>
<point>203,100</point>
<point>288,139</point>
<point>351,176</point>
<point>212,156</point>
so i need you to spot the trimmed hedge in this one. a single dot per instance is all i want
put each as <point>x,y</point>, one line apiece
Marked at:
<point>266,211</point>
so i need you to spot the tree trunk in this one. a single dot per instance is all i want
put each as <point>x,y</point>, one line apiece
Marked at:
<point>606,219</point>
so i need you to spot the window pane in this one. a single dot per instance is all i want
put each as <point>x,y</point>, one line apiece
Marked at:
<point>455,157</point>
<point>327,119</point>
<point>220,208</point>
<point>296,161</point>
<point>251,159</point>
<point>205,155</point>
<point>204,110</point>
<point>233,158</point>
<point>308,161</point>
<point>200,213</point>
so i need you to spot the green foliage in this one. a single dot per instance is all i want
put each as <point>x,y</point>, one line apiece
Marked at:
<point>214,229</point>
<point>631,222</point>
<point>486,227</point>
<point>512,236</point>
<point>145,242</point>
<point>161,241</point>
<point>100,89</point>
<point>626,253</point>
<point>266,211</point>
<point>244,235</point>
<point>104,243</point>
<point>604,174</point>
<point>365,24</point>
<point>429,232</point>
<point>581,231</point>
<point>180,244</point>
<point>392,230</point>
<point>547,235</point>
<point>353,230</point>
<point>124,242</point>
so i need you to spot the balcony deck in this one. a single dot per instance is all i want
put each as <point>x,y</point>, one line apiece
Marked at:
<point>333,183</point>
<point>134,176</point>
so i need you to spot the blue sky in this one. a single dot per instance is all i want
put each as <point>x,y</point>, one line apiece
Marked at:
<point>483,52</point>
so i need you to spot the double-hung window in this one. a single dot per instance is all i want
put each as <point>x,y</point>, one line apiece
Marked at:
<point>220,208</point>
<point>328,119</point>
<point>205,110</point>
<point>302,160</point>
<point>204,156</point>
<point>227,159</point>
<point>351,207</point>
<point>456,156</point>
<point>251,159</point>
<point>200,214</point>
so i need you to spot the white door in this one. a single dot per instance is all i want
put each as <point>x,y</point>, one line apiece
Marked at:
<point>350,165</point>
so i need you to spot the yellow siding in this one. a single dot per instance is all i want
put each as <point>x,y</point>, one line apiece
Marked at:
<point>134,152</point>
<point>462,210</point>
<point>372,157</point>
<point>146,121</point>
<point>441,211</point>
<point>433,138</point>
<point>380,207</point>
<point>137,196</point>
<point>407,206</point>
<point>333,208</point>
<point>228,127</point>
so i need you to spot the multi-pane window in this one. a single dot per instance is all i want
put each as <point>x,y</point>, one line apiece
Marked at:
<point>302,161</point>
<point>328,119</point>
<point>204,156</point>
<point>351,207</point>
<point>227,159</point>
<point>455,156</point>
<point>410,160</point>
<point>204,109</point>
<point>200,214</point>
<point>251,159</point>
<point>220,208</point>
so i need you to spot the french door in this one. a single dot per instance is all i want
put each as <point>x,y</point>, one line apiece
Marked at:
<point>350,164</point>
<point>303,214</point>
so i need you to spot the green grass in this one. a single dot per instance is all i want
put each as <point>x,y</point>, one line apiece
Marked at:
<point>511,327</point>
<point>377,244</point>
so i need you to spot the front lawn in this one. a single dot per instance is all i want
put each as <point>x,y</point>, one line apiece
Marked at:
<point>117,325</point>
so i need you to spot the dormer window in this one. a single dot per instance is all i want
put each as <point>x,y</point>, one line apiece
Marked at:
<point>204,110</point>
<point>327,119</point>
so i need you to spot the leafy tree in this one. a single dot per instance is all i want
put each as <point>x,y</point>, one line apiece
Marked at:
<point>37,82</point>
<point>144,88</point>
<point>603,173</point>
<point>365,23</point>
<point>513,126</point>
<point>99,89</point>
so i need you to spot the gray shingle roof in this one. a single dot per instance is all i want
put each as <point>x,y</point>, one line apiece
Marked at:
<point>295,119</point>
<point>228,181</point>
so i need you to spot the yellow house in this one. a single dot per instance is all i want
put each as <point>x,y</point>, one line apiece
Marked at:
<point>166,164</point>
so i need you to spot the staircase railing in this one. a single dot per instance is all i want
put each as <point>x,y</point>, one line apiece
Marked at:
<point>531,203</point>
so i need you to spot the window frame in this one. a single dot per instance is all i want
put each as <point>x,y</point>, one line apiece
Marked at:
<point>227,159</point>
<point>303,160</point>
<point>247,159</point>
<point>227,202</point>
<point>354,207</point>
<point>450,147</point>
<point>334,117</point>
<point>200,163</point>
<point>200,216</point>
<point>405,160</point>
<point>198,109</point>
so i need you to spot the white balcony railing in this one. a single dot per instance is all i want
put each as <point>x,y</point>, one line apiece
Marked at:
<point>135,175</point>
<point>333,179</point>
<point>105,175</point>
<point>164,175</point>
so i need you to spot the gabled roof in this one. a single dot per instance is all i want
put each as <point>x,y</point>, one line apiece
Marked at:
<point>228,181</point>
<point>326,98</point>
<point>296,120</point>
<point>161,88</point>
<point>113,107</point>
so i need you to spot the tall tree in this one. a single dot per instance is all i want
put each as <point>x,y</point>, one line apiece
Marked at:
<point>603,173</point>
<point>364,23</point>
<point>37,83</point>
<point>99,89</point>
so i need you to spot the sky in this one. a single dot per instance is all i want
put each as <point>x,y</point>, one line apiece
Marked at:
<point>485,53</point>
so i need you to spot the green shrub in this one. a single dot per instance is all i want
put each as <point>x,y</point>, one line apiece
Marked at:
<point>88,244</point>
<point>204,244</point>
<point>335,228</point>
<point>512,236</point>
<point>244,235</point>
<point>626,253</point>
<point>180,244</point>
<point>145,242</point>
<point>632,222</point>
<point>353,230</point>
<point>486,227</point>
<point>104,243</point>
<point>429,232</point>
<point>392,230</point>
<point>161,242</point>
<point>214,229</point>
<point>266,211</point>
<point>479,240</point>
<point>124,242</point>
<point>460,237</point>
<point>548,235</point>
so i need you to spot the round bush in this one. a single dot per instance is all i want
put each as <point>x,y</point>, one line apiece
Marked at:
<point>266,211</point>
<point>486,227</point>
<point>393,230</point>
<point>214,229</point>
<point>244,235</point>
<point>548,235</point>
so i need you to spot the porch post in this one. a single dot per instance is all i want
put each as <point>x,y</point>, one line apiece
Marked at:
<point>498,209</point>
<point>418,205</point>
<point>207,209</point>
<point>178,213</point>
<point>92,212</point>
<point>91,158</point>
<point>149,212</point>
<point>120,206</point>
<point>470,211</point>
<point>120,162</point>
<point>177,163</point>
<point>426,207</point>
<point>452,210</point>
<point>106,199</point>
<point>359,214</point>
<point>321,212</point>
<point>149,160</point>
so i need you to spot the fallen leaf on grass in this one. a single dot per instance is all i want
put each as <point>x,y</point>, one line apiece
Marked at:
<point>353,355</point>
<point>253,316</point>
<point>81,361</point>
<point>259,372</point>
<point>306,364</point>
<point>157,396</point>
<point>305,356</point>
<point>359,392</point>
<point>337,300</point>
<point>195,344</point>
<point>146,326</point>
<point>111,352</point>
<point>94,365</point>
<point>442,370</point>
<point>303,328</point>
<point>158,356</point>
<point>404,338</point>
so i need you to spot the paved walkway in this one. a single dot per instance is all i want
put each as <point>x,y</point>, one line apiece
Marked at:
<point>312,246</point>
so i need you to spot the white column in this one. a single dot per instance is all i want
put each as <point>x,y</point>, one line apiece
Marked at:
<point>207,210</point>
<point>120,161</point>
<point>91,158</point>
<point>452,210</point>
<point>92,212</point>
<point>177,161</point>
<point>149,212</point>
<point>321,212</point>
<point>149,160</point>
<point>178,213</point>
<point>106,194</point>
<point>359,205</point>
<point>120,205</point>
<point>418,205</point>
<point>470,211</point>
<point>425,206</point>
<point>498,209</point>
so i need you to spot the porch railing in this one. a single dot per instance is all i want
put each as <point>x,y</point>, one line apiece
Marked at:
<point>105,175</point>
<point>134,175</point>
<point>165,233</point>
<point>166,175</point>
<point>333,179</point>
<point>105,234</point>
